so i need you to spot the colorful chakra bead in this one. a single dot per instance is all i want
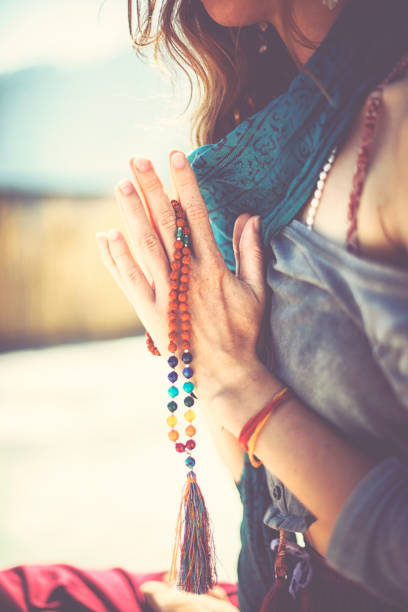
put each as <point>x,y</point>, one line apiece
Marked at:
<point>190,430</point>
<point>190,445</point>
<point>188,387</point>
<point>187,357</point>
<point>172,406</point>
<point>171,420</point>
<point>188,372</point>
<point>173,376</point>
<point>188,401</point>
<point>190,462</point>
<point>173,435</point>
<point>172,361</point>
<point>173,391</point>
<point>190,415</point>
<point>180,448</point>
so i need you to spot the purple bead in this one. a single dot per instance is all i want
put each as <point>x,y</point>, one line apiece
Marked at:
<point>172,361</point>
<point>173,376</point>
<point>188,372</point>
<point>187,357</point>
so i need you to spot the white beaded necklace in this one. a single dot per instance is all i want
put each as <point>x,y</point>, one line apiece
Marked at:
<point>314,204</point>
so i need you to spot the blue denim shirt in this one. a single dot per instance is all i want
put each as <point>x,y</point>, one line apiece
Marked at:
<point>339,338</point>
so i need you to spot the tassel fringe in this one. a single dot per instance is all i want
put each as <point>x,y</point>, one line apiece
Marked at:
<point>193,558</point>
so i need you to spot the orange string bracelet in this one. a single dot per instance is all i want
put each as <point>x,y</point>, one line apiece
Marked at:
<point>250,432</point>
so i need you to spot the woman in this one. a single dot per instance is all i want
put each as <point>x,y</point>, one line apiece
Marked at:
<point>334,454</point>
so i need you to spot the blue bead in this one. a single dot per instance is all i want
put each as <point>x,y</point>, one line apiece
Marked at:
<point>188,401</point>
<point>172,406</point>
<point>188,372</point>
<point>188,387</point>
<point>173,376</point>
<point>172,361</point>
<point>187,357</point>
<point>173,391</point>
<point>190,462</point>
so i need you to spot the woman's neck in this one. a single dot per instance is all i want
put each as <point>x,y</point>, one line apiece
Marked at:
<point>312,18</point>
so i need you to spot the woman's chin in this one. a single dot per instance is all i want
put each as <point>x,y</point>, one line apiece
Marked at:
<point>232,13</point>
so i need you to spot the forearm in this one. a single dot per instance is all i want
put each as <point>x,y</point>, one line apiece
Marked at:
<point>227,445</point>
<point>299,447</point>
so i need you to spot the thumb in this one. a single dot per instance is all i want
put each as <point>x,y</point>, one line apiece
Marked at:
<point>251,257</point>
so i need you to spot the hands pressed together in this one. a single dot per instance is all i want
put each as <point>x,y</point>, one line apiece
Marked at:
<point>226,309</point>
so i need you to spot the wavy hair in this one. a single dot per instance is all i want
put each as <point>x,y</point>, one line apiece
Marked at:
<point>231,78</point>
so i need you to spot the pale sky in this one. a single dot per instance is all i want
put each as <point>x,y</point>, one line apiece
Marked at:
<point>61,31</point>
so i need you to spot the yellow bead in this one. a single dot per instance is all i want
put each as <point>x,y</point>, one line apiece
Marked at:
<point>189,415</point>
<point>171,420</point>
<point>173,435</point>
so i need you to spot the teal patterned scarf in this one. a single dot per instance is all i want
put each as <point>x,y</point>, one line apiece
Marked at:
<point>269,164</point>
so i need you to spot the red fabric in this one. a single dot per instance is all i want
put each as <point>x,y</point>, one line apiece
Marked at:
<point>31,588</point>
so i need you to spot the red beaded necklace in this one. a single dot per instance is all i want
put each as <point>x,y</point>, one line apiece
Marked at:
<point>192,566</point>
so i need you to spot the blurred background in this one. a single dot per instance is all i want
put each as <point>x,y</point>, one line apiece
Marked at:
<point>88,475</point>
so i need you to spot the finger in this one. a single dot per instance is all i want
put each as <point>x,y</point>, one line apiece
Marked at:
<point>236,237</point>
<point>203,242</point>
<point>251,258</point>
<point>107,259</point>
<point>134,281</point>
<point>160,210</point>
<point>143,238</point>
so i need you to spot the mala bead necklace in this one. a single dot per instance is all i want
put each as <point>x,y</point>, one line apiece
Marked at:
<point>193,558</point>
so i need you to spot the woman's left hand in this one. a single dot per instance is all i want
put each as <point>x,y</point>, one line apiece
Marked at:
<point>226,309</point>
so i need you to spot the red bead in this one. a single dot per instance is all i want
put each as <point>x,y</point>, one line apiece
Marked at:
<point>184,278</point>
<point>172,347</point>
<point>174,275</point>
<point>185,345</point>
<point>177,255</point>
<point>190,444</point>
<point>172,316</point>
<point>187,231</point>
<point>185,335</point>
<point>178,244</point>
<point>175,265</point>
<point>186,251</point>
<point>173,305</point>
<point>183,307</point>
<point>185,269</point>
<point>185,316</point>
<point>180,222</point>
<point>185,325</point>
<point>186,259</point>
<point>173,325</point>
<point>180,448</point>
<point>173,295</point>
<point>183,287</point>
<point>172,335</point>
<point>174,284</point>
<point>182,297</point>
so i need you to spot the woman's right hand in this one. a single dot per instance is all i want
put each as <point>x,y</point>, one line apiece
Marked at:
<point>163,597</point>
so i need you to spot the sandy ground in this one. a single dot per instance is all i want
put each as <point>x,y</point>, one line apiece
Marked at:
<point>88,475</point>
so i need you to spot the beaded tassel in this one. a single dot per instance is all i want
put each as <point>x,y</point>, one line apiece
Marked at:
<point>192,565</point>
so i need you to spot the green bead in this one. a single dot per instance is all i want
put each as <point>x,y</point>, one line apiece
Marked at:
<point>188,401</point>
<point>173,391</point>
<point>172,406</point>
<point>187,241</point>
<point>188,387</point>
<point>179,233</point>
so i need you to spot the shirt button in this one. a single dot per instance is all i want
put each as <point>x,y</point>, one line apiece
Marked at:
<point>277,492</point>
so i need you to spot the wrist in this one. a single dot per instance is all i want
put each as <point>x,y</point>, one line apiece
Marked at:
<point>242,396</point>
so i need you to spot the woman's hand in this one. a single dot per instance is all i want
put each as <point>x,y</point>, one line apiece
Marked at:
<point>161,597</point>
<point>226,309</point>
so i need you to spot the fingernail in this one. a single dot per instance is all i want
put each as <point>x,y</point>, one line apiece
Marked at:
<point>142,164</point>
<point>178,160</point>
<point>126,187</point>
<point>113,234</point>
<point>257,223</point>
<point>100,235</point>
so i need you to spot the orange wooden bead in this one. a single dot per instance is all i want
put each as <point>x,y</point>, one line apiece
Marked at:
<point>172,335</point>
<point>172,347</point>
<point>184,278</point>
<point>172,316</point>
<point>183,287</point>
<point>173,305</point>
<point>185,325</point>
<point>173,325</point>
<point>185,345</point>
<point>187,231</point>
<point>190,430</point>
<point>186,259</point>
<point>177,255</point>
<point>174,275</point>
<point>185,335</point>
<point>183,307</point>
<point>175,265</point>
<point>173,295</point>
<point>174,435</point>
<point>186,251</point>
<point>185,316</point>
<point>180,222</point>
<point>182,297</point>
<point>185,269</point>
<point>174,284</point>
<point>178,244</point>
